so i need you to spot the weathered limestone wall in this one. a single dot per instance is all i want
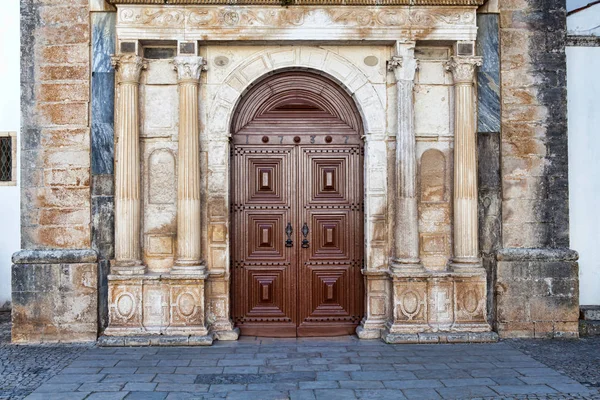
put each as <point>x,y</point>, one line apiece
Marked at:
<point>535,173</point>
<point>54,296</point>
<point>55,167</point>
<point>54,286</point>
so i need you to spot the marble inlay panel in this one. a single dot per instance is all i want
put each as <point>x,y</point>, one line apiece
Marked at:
<point>488,75</point>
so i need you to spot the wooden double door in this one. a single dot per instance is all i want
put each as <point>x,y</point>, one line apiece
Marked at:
<point>297,246</point>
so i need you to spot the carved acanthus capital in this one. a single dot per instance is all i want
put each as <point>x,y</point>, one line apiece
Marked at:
<point>404,64</point>
<point>129,67</point>
<point>188,68</point>
<point>463,68</point>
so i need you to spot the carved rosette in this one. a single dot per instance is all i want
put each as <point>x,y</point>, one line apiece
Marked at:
<point>129,67</point>
<point>188,68</point>
<point>463,69</point>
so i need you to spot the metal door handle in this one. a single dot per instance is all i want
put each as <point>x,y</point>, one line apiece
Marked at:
<point>288,232</point>
<point>305,234</point>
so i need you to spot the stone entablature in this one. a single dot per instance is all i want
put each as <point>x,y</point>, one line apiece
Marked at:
<point>325,23</point>
<point>311,2</point>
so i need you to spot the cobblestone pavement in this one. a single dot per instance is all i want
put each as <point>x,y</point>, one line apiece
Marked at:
<point>336,368</point>
<point>25,368</point>
<point>579,359</point>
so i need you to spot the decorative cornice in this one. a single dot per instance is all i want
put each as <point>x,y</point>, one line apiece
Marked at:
<point>309,2</point>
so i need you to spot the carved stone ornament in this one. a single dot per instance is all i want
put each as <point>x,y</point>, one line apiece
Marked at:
<point>337,16</point>
<point>463,68</point>
<point>188,68</point>
<point>311,2</point>
<point>128,67</point>
<point>404,68</point>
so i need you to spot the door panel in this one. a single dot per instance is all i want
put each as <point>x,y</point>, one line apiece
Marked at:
<point>298,239</point>
<point>263,274</point>
<point>329,268</point>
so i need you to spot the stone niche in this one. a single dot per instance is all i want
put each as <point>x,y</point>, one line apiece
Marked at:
<point>152,304</point>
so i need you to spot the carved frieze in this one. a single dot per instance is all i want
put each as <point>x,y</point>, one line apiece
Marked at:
<point>239,16</point>
<point>280,23</point>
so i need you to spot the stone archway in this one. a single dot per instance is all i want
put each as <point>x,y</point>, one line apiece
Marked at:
<point>372,108</point>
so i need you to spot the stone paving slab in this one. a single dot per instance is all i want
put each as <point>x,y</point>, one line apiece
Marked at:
<point>299,369</point>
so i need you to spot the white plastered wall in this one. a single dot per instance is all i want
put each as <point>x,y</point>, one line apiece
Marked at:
<point>10,236</point>
<point>583,82</point>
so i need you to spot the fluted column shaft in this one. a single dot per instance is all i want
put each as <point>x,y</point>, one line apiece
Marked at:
<point>189,250</point>
<point>406,232</point>
<point>466,249</point>
<point>127,167</point>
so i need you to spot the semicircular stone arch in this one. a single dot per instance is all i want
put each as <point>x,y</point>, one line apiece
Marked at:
<point>316,59</point>
<point>286,98</point>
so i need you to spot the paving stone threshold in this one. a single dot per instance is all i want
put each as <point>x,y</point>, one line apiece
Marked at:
<point>416,338</point>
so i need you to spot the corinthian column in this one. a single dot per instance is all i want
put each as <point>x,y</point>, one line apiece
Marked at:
<point>127,167</point>
<point>189,257</point>
<point>466,251</point>
<point>406,224</point>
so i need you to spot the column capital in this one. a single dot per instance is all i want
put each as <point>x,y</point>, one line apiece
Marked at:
<point>463,68</point>
<point>404,64</point>
<point>129,67</point>
<point>188,68</point>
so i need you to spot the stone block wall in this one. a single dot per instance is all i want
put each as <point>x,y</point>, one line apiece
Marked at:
<point>537,276</point>
<point>55,296</point>
<point>55,144</point>
<point>537,293</point>
<point>535,204</point>
<point>55,286</point>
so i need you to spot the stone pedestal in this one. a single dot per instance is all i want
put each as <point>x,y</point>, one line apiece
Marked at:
<point>54,296</point>
<point>142,306</point>
<point>438,308</point>
<point>537,293</point>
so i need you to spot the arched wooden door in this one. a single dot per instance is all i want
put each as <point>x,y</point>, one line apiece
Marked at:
<point>297,209</point>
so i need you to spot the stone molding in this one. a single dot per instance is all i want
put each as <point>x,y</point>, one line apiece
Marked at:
<point>541,254</point>
<point>212,22</point>
<point>55,256</point>
<point>314,2</point>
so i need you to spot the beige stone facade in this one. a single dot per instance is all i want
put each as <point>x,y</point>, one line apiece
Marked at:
<point>180,70</point>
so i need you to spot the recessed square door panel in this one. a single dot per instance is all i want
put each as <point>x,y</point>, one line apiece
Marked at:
<point>267,291</point>
<point>265,233</point>
<point>331,234</point>
<point>265,183</point>
<point>328,178</point>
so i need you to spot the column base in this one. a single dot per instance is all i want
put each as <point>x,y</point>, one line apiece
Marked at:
<point>192,269</point>
<point>364,331</point>
<point>127,267</point>
<point>406,265</point>
<point>466,264</point>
